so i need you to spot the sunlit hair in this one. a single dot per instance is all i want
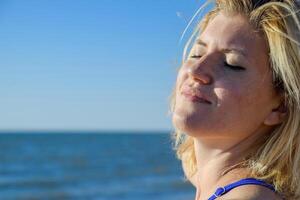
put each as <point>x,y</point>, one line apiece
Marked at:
<point>276,159</point>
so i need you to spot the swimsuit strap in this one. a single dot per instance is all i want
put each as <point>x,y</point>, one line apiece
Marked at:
<point>246,181</point>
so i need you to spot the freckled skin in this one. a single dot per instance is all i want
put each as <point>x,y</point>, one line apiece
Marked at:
<point>241,99</point>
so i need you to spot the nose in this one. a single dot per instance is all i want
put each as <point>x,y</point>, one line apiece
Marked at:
<point>199,75</point>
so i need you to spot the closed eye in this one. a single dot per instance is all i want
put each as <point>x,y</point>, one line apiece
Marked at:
<point>195,56</point>
<point>233,67</point>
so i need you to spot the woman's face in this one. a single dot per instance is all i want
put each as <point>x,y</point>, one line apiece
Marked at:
<point>224,89</point>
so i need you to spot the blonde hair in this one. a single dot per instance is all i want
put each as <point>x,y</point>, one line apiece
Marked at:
<point>277,158</point>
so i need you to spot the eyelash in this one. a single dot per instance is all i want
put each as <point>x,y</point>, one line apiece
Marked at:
<point>233,67</point>
<point>195,56</point>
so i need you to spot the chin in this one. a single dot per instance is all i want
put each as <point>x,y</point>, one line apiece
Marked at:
<point>187,125</point>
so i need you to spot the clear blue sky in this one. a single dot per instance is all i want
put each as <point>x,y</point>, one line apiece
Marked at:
<point>89,64</point>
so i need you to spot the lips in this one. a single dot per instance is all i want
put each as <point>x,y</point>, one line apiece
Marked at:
<point>195,95</point>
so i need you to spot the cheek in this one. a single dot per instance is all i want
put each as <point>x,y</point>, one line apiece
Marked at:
<point>244,103</point>
<point>181,77</point>
<point>237,92</point>
<point>236,102</point>
<point>228,94</point>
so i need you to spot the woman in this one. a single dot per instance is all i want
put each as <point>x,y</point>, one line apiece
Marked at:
<point>236,104</point>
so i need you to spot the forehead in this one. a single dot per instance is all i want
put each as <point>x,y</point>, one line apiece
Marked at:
<point>233,31</point>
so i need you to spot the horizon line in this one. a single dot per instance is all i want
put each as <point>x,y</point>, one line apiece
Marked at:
<point>87,131</point>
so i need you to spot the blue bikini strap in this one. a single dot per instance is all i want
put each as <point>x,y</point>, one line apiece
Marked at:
<point>246,181</point>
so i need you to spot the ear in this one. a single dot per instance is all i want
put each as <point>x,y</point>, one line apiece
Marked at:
<point>276,116</point>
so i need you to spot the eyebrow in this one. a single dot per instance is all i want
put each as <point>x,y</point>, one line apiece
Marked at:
<point>224,50</point>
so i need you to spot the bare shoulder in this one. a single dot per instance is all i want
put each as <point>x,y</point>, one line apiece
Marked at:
<point>251,192</point>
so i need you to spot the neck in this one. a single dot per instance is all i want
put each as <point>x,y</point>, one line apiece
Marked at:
<point>214,158</point>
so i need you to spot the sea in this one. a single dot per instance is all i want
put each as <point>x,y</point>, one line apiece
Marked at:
<point>90,165</point>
